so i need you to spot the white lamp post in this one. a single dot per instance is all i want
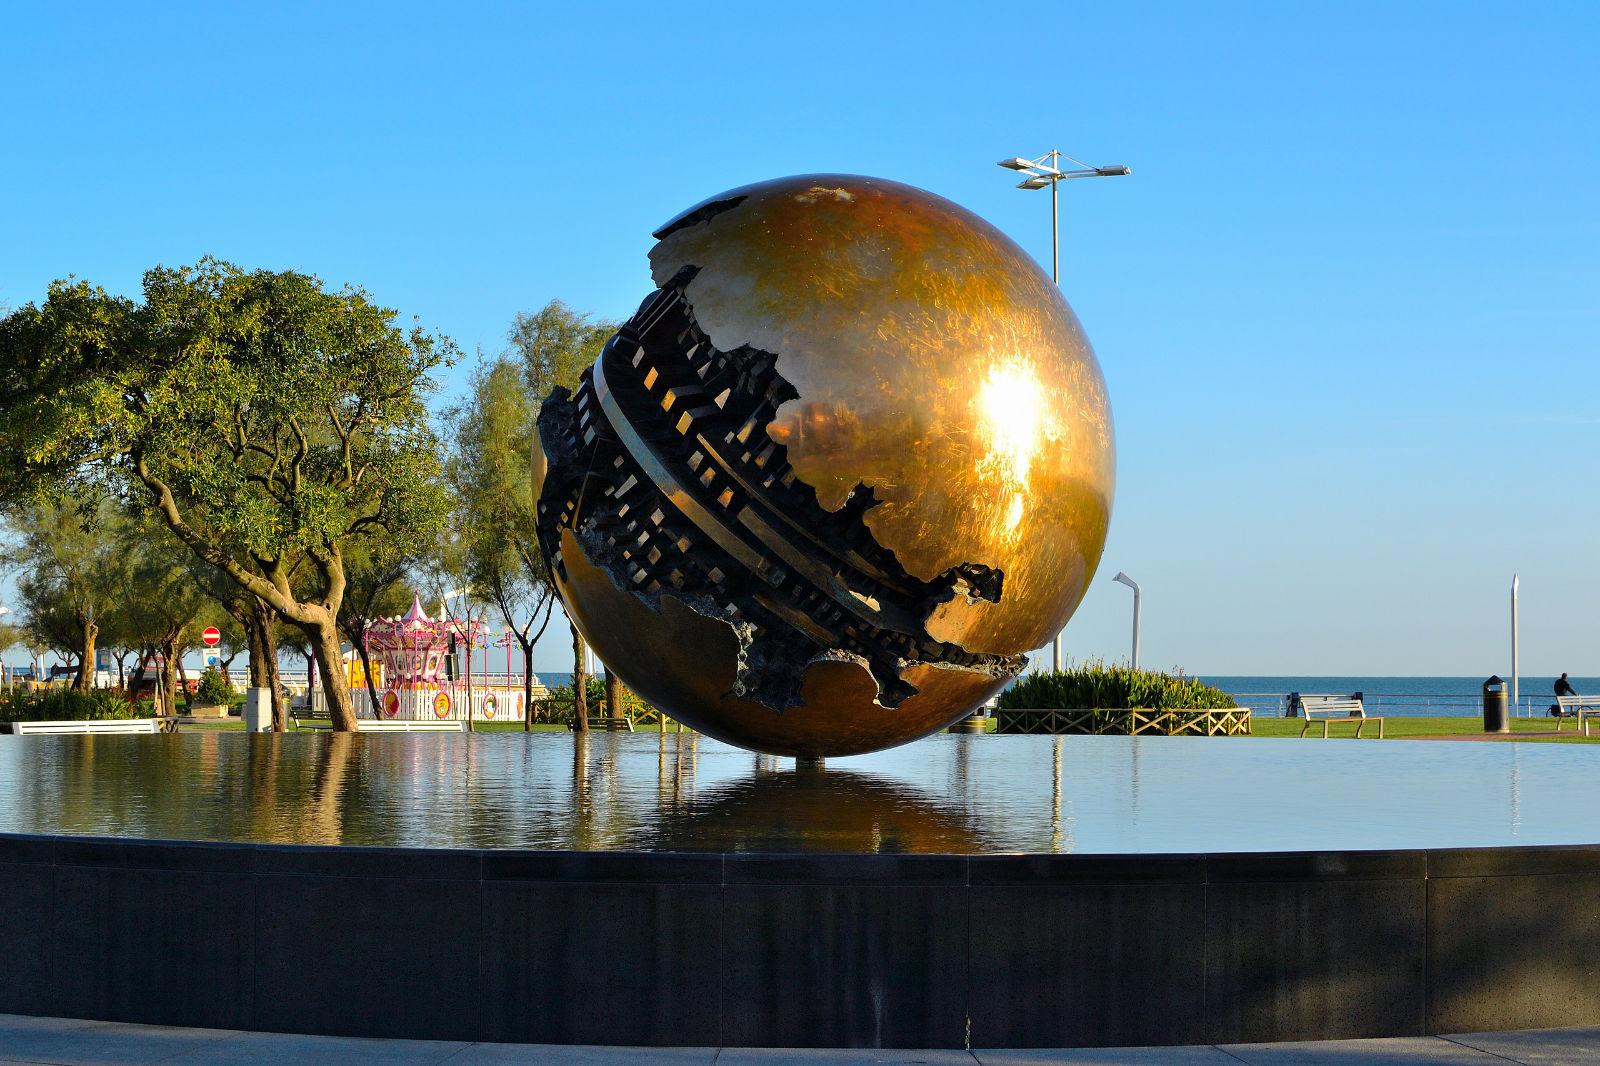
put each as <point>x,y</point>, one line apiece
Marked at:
<point>1046,172</point>
<point>1124,579</point>
<point>1515,584</point>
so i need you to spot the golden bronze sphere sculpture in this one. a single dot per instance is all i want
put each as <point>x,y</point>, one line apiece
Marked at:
<point>845,466</point>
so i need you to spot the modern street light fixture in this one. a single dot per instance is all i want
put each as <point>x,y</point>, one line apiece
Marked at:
<point>1046,172</point>
<point>1124,579</point>
<point>1043,172</point>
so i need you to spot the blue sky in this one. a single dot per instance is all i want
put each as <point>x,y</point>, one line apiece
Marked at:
<point>1347,304</point>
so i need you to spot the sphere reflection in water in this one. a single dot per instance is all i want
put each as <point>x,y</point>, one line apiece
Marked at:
<point>845,466</point>
<point>806,810</point>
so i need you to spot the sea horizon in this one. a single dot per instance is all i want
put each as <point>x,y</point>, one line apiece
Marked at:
<point>1401,695</point>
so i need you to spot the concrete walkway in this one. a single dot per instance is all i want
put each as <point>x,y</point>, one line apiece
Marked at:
<point>67,1042</point>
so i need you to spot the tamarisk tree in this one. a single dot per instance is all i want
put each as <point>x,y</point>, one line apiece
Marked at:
<point>269,423</point>
<point>71,560</point>
<point>555,343</point>
<point>491,478</point>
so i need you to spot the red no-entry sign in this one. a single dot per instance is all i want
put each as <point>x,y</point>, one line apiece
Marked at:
<point>211,637</point>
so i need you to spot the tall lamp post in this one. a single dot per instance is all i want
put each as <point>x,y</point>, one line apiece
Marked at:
<point>1124,579</point>
<point>1515,695</point>
<point>1046,172</point>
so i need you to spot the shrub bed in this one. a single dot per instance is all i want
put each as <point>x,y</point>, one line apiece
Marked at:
<point>1096,685</point>
<point>559,702</point>
<point>66,705</point>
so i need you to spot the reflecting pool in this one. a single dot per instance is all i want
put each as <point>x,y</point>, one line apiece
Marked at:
<point>682,792</point>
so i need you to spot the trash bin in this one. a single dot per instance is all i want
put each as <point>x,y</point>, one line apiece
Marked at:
<point>1494,706</point>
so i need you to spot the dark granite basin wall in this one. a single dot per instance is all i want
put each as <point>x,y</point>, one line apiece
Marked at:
<point>847,950</point>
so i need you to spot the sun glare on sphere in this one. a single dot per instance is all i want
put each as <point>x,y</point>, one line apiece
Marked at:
<point>1015,423</point>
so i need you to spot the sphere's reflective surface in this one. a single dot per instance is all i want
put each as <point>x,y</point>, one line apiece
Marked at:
<point>845,466</point>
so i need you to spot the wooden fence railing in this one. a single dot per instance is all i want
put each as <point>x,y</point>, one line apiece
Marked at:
<point>1133,721</point>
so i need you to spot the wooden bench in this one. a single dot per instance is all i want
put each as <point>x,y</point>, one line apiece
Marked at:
<point>1581,708</point>
<point>130,725</point>
<point>303,718</point>
<point>604,724</point>
<point>1328,709</point>
<point>400,725</point>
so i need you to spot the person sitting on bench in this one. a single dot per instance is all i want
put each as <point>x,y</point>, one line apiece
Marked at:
<point>1563,688</point>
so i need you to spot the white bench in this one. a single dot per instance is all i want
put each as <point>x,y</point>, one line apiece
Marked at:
<point>1582,708</point>
<point>1328,709</point>
<point>130,725</point>
<point>399,725</point>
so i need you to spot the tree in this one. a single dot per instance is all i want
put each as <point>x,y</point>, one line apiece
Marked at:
<point>492,435</point>
<point>260,623</point>
<point>72,562</point>
<point>556,344</point>
<point>10,637</point>
<point>580,684</point>
<point>450,578</point>
<point>270,423</point>
<point>248,624</point>
<point>48,620</point>
<point>377,585</point>
<point>162,599</point>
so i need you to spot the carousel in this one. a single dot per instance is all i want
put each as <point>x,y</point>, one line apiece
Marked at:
<point>412,654</point>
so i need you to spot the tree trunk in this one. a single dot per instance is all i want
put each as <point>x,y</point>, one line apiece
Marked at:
<point>613,695</point>
<point>256,649</point>
<point>137,681</point>
<point>280,709</point>
<point>169,678</point>
<point>469,672</point>
<point>183,678</point>
<point>261,630</point>
<point>366,669</point>
<point>580,685</point>
<point>85,680</point>
<point>527,684</point>
<point>324,638</point>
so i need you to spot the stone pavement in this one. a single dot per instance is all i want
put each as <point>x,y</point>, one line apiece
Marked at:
<point>68,1042</point>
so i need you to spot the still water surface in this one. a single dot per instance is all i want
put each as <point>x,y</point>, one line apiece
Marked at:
<point>949,794</point>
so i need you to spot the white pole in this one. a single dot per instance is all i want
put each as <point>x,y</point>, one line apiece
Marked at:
<point>1136,596</point>
<point>1055,276</point>
<point>1124,579</point>
<point>1515,695</point>
<point>1055,223</point>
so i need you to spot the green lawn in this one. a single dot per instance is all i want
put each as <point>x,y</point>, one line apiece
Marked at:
<point>1399,728</point>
